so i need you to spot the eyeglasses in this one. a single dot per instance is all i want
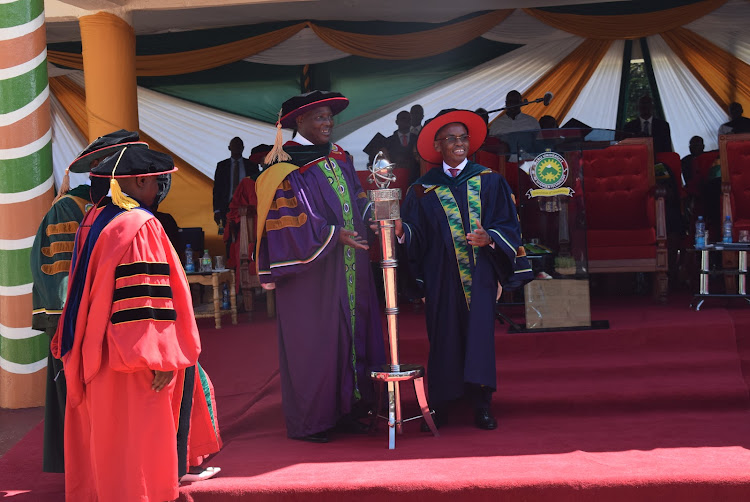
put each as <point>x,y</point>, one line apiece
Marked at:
<point>452,140</point>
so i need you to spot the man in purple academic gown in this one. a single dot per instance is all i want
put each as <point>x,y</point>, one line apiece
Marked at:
<point>461,234</point>
<point>311,224</point>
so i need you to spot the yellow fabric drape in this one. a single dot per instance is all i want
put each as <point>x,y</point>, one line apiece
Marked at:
<point>406,46</point>
<point>566,79</point>
<point>109,70</point>
<point>411,45</point>
<point>179,63</point>
<point>71,97</point>
<point>627,26</point>
<point>190,198</point>
<point>724,76</point>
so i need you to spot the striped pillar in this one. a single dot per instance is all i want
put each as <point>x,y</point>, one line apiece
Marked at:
<point>26,192</point>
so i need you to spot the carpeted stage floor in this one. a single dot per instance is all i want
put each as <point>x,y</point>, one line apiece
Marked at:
<point>655,408</point>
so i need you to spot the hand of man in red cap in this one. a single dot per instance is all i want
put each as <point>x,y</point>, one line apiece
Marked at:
<point>478,237</point>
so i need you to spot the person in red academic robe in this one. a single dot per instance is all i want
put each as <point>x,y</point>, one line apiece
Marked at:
<point>126,336</point>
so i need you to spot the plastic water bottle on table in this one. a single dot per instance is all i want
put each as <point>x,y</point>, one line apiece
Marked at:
<point>726,230</point>
<point>206,262</point>
<point>189,264</point>
<point>700,233</point>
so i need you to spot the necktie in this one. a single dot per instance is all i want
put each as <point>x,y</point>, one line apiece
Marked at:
<point>453,171</point>
<point>403,140</point>
<point>235,177</point>
<point>646,127</point>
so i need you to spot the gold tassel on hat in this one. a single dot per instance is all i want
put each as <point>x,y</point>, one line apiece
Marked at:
<point>277,153</point>
<point>118,198</point>
<point>64,186</point>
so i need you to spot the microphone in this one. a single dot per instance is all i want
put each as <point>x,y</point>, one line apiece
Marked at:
<point>546,99</point>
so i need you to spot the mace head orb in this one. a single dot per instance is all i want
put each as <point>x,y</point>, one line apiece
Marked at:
<point>381,171</point>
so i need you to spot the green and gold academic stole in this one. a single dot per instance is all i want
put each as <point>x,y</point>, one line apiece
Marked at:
<point>458,232</point>
<point>336,179</point>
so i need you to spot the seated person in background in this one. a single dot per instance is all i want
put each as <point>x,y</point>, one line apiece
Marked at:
<point>688,161</point>
<point>738,124</point>
<point>648,125</point>
<point>257,154</point>
<point>513,120</point>
<point>417,114</point>
<point>485,116</point>
<point>548,122</point>
<point>401,144</point>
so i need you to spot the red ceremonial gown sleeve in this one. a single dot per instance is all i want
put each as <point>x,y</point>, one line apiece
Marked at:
<point>152,325</point>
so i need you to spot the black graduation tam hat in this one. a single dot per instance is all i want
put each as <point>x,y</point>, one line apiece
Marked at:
<point>104,146</point>
<point>376,143</point>
<point>296,106</point>
<point>131,162</point>
<point>259,152</point>
<point>101,147</point>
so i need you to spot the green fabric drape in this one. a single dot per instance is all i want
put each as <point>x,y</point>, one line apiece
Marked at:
<point>257,91</point>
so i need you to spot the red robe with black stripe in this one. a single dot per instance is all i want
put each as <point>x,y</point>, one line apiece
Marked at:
<point>135,316</point>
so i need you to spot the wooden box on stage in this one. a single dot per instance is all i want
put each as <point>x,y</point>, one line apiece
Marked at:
<point>557,303</point>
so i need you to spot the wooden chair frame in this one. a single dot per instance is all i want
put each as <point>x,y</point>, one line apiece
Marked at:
<point>729,259</point>
<point>659,264</point>
<point>248,282</point>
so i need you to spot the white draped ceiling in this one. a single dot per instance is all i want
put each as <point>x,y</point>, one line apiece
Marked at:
<point>67,143</point>
<point>597,103</point>
<point>727,27</point>
<point>688,107</point>
<point>200,135</point>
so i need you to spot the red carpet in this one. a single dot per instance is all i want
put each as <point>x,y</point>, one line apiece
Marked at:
<point>655,408</point>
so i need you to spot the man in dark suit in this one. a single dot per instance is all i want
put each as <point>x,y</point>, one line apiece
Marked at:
<point>401,145</point>
<point>648,125</point>
<point>229,173</point>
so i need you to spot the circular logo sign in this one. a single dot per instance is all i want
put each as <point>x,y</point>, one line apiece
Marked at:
<point>550,170</point>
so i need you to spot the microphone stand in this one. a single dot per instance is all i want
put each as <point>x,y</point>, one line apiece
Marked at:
<point>525,103</point>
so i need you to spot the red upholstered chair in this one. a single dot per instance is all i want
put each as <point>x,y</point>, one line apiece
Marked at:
<point>734,151</point>
<point>625,216</point>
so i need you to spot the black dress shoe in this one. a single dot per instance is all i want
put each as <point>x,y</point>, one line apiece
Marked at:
<point>484,420</point>
<point>318,437</point>
<point>349,425</point>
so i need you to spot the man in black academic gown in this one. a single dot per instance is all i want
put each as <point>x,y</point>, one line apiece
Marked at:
<point>461,234</point>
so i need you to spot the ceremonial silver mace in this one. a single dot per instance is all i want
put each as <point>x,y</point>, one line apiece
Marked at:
<point>385,210</point>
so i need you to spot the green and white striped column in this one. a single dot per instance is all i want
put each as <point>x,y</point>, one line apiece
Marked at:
<point>26,192</point>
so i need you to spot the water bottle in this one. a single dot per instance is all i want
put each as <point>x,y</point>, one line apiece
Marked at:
<point>189,264</point>
<point>700,233</point>
<point>225,298</point>
<point>726,230</point>
<point>206,261</point>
